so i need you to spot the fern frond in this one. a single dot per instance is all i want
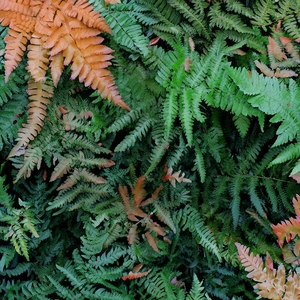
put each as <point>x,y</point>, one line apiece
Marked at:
<point>141,128</point>
<point>235,189</point>
<point>125,120</point>
<point>199,162</point>
<point>242,124</point>
<point>164,216</point>
<point>185,113</point>
<point>290,24</point>
<point>226,21</point>
<point>256,201</point>
<point>79,175</point>
<point>126,30</point>
<point>197,20</point>
<point>192,221</point>
<point>15,47</point>
<point>239,8</point>
<point>39,94</point>
<point>197,291</point>
<point>264,11</point>
<point>82,193</point>
<point>170,111</point>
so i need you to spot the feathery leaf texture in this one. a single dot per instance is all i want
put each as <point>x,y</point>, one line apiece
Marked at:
<point>289,229</point>
<point>272,283</point>
<point>137,215</point>
<point>56,33</point>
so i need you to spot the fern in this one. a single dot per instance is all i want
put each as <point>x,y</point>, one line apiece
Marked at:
<point>126,30</point>
<point>191,220</point>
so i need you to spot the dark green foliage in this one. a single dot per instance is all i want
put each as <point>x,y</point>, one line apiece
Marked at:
<point>198,106</point>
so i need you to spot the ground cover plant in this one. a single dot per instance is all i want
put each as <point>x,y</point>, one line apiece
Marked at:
<point>141,141</point>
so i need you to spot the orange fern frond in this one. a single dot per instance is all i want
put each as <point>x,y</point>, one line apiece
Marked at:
<point>62,168</point>
<point>79,175</point>
<point>174,177</point>
<point>57,33</point>
<point>38,58</point>
<point>253,264</point>
<point>138,191</point>
<point>136,214</point>
<point>272,283</point>
<point>39,94</point>
<point>153,196</point>
<point>132,275</point>
<point>151,241</point>
<point>275,49</point>
<point>15,48</point>
<point>288,229</point>
<point>154,227</point>
<point>132,236</point>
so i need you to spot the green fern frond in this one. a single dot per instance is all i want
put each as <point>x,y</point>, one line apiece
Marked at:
<point>124,120</point>
<point>154,285</point>
<point>271,97</point>
<point>141,128</point>
<point>270,188</point>
<point>197,291</point>
<point>226,21</point>
<point>61,290</point>
<point>235,190</point>
<point>177,153</point>
<point>192,221</point>
<point>108,258</point>
<point>75,279</point>
<point>238,8</point>
<point>166,16</point>
<point>9,120</point>
<point>82,193</point>
<point>286,8</point>
<point>264,11</point>
<point>290,24</point>
<point>125,29</point>
<point>199,162</point>
<point>256,201</point>
<point>32,159</point>
<point>114,232</point>
<point>170,111</point>
<point>242,124</point>
<point>185,114</point>
<point>156,155</point>
<point>292,151</point>
<point>20,269</point>
<point>191,15</point>
<point>164,216</point>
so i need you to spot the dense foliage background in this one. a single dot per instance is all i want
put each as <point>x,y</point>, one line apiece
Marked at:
<point>213,93</point>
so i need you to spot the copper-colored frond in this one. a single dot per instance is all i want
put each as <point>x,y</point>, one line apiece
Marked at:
<point>57,66</point>
<point>15,48</point>
<point>38,58</point>
<point>84,12</point>
<point>39,94</point>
